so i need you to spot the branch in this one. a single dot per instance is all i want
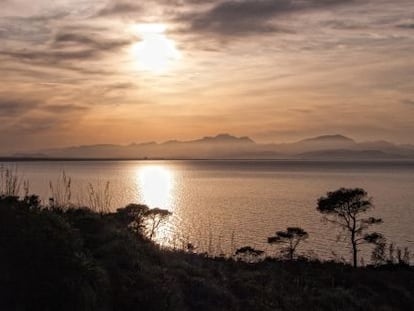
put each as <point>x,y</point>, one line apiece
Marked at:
<point>337,222</point>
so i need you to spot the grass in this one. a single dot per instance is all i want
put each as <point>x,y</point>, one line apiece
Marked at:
<point>83,259</point>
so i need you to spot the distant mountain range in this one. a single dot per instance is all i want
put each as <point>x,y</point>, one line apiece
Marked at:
<point>225,146</point>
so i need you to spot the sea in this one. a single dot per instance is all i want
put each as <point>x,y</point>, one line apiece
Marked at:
<point>219,206</point>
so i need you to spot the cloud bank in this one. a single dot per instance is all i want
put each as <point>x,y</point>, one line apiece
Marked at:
<point>271,69</point>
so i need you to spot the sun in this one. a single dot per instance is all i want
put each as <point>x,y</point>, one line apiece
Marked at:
<point>155,52</point>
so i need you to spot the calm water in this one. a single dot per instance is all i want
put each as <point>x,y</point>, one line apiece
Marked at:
<point>222,205</point>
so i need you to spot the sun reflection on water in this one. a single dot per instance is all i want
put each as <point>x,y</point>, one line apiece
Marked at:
<point>156,184</point>
<point>155,187</point>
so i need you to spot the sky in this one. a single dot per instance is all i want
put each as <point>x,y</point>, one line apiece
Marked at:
<point>75,72</point>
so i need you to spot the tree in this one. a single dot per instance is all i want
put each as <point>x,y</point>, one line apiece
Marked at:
<point>141,219</point>
<point>155,218</point>
<point>379,253</point>
<point>291,238</point>
<point>133,215</point>
<point>248,254</point>
<point>344,208</point>
<point>378,256</point>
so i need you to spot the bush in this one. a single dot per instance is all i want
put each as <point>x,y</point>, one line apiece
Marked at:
<point>79,259</point>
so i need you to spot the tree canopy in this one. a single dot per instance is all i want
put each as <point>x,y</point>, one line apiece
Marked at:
<point>292,237</point>
<point>344,208</point>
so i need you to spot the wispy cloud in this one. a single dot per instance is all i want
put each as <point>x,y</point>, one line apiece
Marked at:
<point>409,102</point>
<point>406,25</point>
<point>115,8</point>
<point>277,67</point>
<point>11,107</point>
<point>230,18</point>
<point>65,108</point>
<point>69,39</point>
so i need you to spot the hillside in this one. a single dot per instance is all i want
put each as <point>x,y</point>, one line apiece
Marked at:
<point>78,259</point>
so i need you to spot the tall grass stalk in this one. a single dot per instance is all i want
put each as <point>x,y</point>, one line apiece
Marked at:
<point>61,192</point>
<point>99,197</point>
<point>10,181</point>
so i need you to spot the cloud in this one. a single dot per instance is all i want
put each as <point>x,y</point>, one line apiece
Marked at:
<point>12,107</point>
<point>57,40</point>
<point>254,63</point>
<point>345,24</point>
<point>121,86</point>
<point>239,17</point>
<point>68,48</point>
<point>32,124</point>
<point>119,8</point>
<point>231,18</point>
<point>406,26</point>
<point>66,108</point>
<point>97,43</point>
<point>48,56</point>
<point>23,29</point>
<point>24,121</point>
<point>299,110</point>
<point>409,102</point>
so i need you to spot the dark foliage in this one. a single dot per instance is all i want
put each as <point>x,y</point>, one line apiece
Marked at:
<point>344,208</point>
<point>387,254</point>
<point>248,254</point>
<point>76,259</point>
<point>133,216</point>
<point>43,261</point>
<point>291,238</point>
<point>155,218</point>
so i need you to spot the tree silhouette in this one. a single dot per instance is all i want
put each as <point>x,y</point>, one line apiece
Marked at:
<point>155,218</point>
<point>141,219</point>
<point>379,256</point>
<point>133,215</point>
<point>344,208</point>
<point>248,253</point>
<point>291,238</point>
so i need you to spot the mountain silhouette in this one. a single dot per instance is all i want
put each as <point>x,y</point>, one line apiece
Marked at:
<point>224,138</point>
<point>226,146</point>
<point>330,138</point>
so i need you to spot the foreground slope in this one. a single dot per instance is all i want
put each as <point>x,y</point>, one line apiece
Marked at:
<point>77,259</point>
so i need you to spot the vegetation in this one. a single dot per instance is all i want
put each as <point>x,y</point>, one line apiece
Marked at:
<point>387,254</point>
<point>291,238</point>
<point>155,218</point>
<point>142,220</point>
<point>78,259</point>
<point>248,254</point>
<point>10,182</point>
<point>61,192</point>
<point>344,208</point>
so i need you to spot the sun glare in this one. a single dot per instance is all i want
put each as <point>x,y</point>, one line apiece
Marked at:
<point>155,186</point>
<point>155,52</point>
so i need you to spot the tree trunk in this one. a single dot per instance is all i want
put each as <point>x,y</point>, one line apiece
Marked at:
<point>354,250</point>
<point>354,243</point>
<point>354,247</point>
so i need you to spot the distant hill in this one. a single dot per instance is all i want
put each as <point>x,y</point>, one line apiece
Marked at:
<point>326,142</point>
<point>223,138</point>
<point>226,146</point>
<point>339,139</point>
<point>220,146</point>
<point>343,154</point>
